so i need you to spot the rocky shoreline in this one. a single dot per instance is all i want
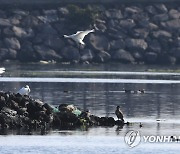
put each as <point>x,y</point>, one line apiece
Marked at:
<point>23,112</point>
<point>125,33</point>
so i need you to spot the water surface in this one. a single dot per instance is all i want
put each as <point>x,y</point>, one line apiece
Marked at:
<point>99,89</point>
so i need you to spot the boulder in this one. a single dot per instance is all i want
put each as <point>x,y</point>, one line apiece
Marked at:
<point>176,52</point>
<point>12,43</point>
<point>116,34</point>
<point>27,52</point>
<point>161,34</point>
<point>54,42</point>
<point>9,54</point>
<point>47,29</point>
<point>177,42</point>
<point>123,56</point>
<point>139,44</point>
<point>151,10</point>
<point>87,55</point>
<point>132,10</point>
<point>3,14</point>
<point>99,42</point>
<point>50,15</point>
<point>4,22</point>
<point>148,25</point>
<point>117,44</point>
<point>161,8</point>
<point>14,20</point>
<point>160,17</point>
<point>30,21</point>
<point>166,59</point>
<point>138,56</point>
<point>45,53</point>
<point>63,11</point>
<point>127,24</point>
<point>172,24</point>
<point>23,33</point>
<point>174,14</point>
<point>150,57</point>
<point>102,57</point>
<point>140,33</point>
<point>70,54</point>
<point>154,46</point>
<point>20,12</point>
<point>8,32</point>
<point>114,14</point>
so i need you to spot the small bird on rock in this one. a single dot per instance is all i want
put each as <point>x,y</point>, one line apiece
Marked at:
<point>119,113</point>
<point>24,90</point>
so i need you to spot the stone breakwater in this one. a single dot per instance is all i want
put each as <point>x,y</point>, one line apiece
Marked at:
<point>125,33</point>
<point>26,113</point>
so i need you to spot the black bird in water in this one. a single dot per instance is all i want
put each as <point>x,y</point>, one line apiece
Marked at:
<point>119,113</point>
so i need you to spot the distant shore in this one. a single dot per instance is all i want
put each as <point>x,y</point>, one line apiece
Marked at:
<point>137,33</point>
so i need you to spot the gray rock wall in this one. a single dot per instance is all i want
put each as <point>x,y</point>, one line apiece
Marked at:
<point>126,33</point>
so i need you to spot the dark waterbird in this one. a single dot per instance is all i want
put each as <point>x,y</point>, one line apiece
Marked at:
<point>119,113</point>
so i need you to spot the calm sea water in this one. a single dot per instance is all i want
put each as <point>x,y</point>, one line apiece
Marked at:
<point>98,88</point>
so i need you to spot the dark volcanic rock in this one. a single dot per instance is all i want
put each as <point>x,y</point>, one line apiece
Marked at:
<point>117,44</point>
<point>174,14</point>
<point>70,54</point>
<point>127,24</point>
<point>23,33</point>
<point>136,44</point>
<point>4,22</point>
<point>140,33</point>
<point>172,24</point>
<point>50,16</point>
<point>54,42</point>
<point>30,21</point>
<point>7,54</point>
<point>154,46</point>
<point>113,14</point>
<point>161,17</point>
<point>161,34</point>
<point>102,57</point>
<point>12,43</point>
<point>161,8</point>
<point>123,56</point>
<point>87,55</point>
<point>151,57</point>
<point>99,42</point>
<point>45,53</point>
<point>27,52</point>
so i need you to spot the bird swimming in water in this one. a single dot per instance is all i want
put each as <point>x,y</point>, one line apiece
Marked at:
<point>119,113</point>
<point>79,36</point>
<point>24,90</point>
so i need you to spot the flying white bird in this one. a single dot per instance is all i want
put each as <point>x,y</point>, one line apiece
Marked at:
<point>24,90</point>
<point>79,36</point>
<point>2,70</point>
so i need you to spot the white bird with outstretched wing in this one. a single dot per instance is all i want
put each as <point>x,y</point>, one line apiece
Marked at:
<point>79,36</point>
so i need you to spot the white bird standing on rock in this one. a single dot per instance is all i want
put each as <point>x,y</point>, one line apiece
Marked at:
<point>79,36</point>
<point>2,70</point>
<point>24,90</point>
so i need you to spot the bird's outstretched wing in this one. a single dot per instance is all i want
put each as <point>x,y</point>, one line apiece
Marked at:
<point>81,34</point>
